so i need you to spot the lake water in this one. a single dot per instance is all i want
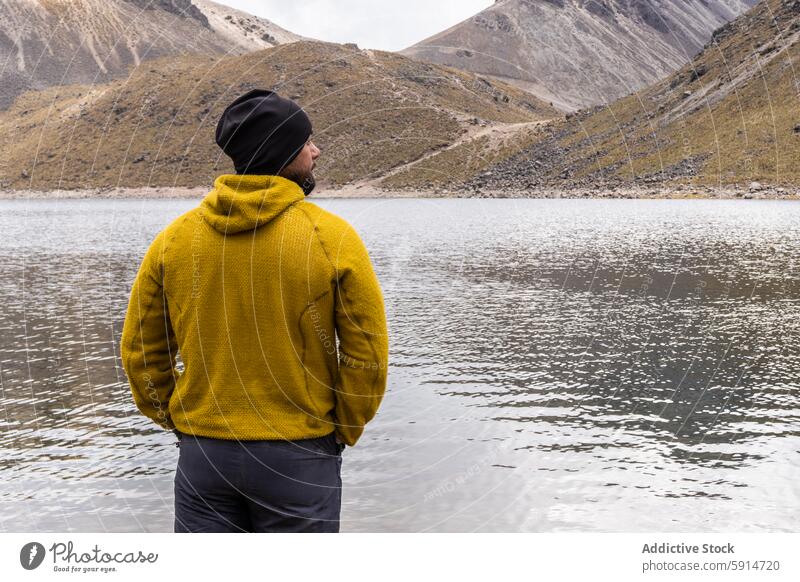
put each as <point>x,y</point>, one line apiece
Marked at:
<point>556,365</point>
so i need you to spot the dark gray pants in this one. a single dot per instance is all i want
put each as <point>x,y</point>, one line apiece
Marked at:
<point>258,486</point>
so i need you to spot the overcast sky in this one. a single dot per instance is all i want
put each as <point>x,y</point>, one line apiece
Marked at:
<point>379,24</point>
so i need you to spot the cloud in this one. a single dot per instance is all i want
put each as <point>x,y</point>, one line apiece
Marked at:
<point>380,24</point>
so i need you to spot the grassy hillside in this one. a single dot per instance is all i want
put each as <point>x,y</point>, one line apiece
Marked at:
<point>372,112</point>
<point>46,43</point>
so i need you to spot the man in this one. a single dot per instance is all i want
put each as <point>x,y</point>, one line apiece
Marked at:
<point>253,288</point>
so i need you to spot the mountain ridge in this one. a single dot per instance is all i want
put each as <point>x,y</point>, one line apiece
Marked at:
<point>578,53</point>
<point>61,42</point>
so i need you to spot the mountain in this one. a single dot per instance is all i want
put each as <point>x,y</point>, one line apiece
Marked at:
<point>373,112</point>
<point>57,42</point>
<point>729,117</point>
<point>577,53</point>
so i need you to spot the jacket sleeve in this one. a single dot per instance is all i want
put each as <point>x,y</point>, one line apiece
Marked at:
<point>148,347</point>
<point>363,340</point>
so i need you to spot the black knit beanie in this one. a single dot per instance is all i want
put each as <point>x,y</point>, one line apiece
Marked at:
<point>263,132</point>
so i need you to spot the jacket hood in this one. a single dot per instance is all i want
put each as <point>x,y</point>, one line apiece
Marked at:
<point>245,202</point>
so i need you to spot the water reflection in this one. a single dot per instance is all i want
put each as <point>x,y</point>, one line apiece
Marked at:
<point>556,365</point>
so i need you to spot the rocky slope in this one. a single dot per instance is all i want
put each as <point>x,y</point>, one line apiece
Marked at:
<point>576,53</point>
<point>46,43</point>
<point>243,31</point>
<point>373,113</point>
<point>730,117</point>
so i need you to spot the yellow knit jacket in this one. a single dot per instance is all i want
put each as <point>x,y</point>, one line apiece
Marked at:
<point>253,288</point>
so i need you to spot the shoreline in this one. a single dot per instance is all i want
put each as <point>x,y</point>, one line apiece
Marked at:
<point>679,192</point>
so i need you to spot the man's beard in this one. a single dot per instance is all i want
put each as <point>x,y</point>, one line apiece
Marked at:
<point>305,181</point>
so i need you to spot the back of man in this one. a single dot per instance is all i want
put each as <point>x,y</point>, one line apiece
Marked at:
<point>253,288</point>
